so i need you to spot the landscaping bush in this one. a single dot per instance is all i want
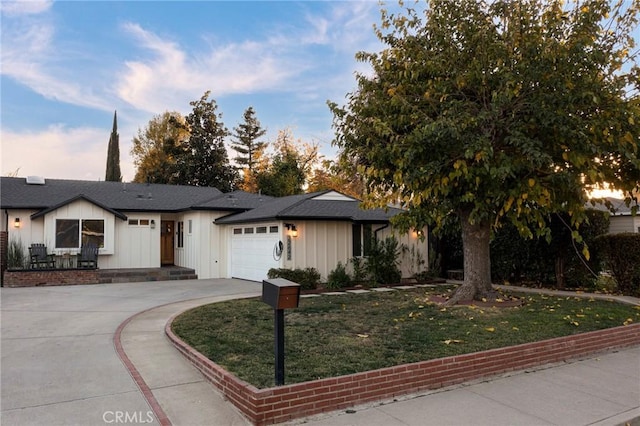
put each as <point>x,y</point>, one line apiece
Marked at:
<point>559,261</point>
<point>621,255</point>
<point>16,255</point>
<point>359,270</point>
<point>338,278</point>
<point>308,278</point>
<point>382,261</point>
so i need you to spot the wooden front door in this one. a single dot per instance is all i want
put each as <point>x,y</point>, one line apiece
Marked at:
<point>166,242</point>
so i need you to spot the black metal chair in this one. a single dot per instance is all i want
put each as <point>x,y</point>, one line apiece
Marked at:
<point>40,258</point>
<point>88,257</point>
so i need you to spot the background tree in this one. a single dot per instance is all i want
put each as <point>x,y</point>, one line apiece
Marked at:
<point>329,175</point>
<point>287,170</point>
<point>496,112</point>
<point>205,161</point>
<point>113,173</point>
<point>156,148</point>
<point>249,149</point>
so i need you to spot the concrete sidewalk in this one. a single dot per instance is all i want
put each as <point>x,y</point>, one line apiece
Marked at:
<point>598,390</point>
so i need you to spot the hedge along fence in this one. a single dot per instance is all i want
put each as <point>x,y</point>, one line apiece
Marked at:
<point>621,255</point>
<point>284,403</point>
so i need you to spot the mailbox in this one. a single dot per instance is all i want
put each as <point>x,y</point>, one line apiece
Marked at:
<point>280,293</point>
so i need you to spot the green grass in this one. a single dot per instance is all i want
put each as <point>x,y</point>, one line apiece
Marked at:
<point>335,335</point>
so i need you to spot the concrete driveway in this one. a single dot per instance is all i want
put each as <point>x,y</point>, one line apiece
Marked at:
<point>59,365</point>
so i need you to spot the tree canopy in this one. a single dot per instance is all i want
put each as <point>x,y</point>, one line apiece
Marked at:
<point>155,148</point>
<point>287,170</point>
<point>493,112</point>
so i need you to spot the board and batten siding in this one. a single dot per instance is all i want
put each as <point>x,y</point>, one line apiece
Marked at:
<point>81,209</point>
<point>137,246</point>
<point>30,231</point>
<point>320,245</point>
<point>619,224</point>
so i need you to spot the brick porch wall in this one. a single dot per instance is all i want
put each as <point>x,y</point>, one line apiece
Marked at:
<point>35,277</point>
<point>279,404</point>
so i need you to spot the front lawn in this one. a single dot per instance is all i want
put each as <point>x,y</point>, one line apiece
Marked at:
<point>329,336</point>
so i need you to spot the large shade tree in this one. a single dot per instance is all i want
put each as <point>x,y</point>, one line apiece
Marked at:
<point>488,112</point>
<point>156,148</point>
<point>204,160</point>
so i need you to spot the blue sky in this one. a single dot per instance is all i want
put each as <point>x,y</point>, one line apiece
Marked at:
<point>67,66</point>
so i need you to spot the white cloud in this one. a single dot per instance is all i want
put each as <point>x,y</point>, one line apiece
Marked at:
<point>20,8</point>
<point>156,83</point>
<point>31,57</point>
<point>62,153</point>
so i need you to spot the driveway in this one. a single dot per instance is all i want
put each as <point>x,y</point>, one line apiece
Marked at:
<point>59,365</point>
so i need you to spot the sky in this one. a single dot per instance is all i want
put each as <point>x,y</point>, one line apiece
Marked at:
<point>67,66</point>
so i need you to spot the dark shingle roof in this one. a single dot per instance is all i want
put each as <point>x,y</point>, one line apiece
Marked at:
<point>619,206</point>
<point>307,207</point>
<point>15,193</point>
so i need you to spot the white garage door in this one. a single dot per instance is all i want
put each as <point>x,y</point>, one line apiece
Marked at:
<point>252,251</point>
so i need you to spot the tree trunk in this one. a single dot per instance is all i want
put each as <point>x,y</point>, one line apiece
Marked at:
<point>477,261</point>
<point>560,281</point>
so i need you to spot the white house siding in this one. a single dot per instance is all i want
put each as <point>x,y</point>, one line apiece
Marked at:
<point>81,209</point>
<point>320,245</point>
<point>619,224</point>
<point>411,250</point>
<point>29,231</point>
<point>136,246</point>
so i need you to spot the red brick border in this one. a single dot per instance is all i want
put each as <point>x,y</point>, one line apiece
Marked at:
<point>279,404</point>
<point>161,416</point>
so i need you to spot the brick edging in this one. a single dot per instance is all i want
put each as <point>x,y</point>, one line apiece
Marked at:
<point>279,404</point>
<point>135,374</point>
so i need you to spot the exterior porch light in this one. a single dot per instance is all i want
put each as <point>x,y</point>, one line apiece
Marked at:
<point>16,222</point>
<point>293,231</point>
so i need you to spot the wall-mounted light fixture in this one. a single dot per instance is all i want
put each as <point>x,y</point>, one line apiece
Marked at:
<point>16,222</point>
<point>153,224</point>
<point>293,231</point>
<point>418,233</point>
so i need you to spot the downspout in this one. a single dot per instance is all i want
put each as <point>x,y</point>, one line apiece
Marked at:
<point>375,233</point>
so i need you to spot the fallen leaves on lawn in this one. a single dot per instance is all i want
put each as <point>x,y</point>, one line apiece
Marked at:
<point>450,341</point>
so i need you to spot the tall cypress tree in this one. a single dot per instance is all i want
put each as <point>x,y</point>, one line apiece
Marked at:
<point>113,154</point>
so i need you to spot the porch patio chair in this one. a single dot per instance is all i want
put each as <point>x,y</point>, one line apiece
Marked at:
<point>40,258</point>
<point>88,257</point>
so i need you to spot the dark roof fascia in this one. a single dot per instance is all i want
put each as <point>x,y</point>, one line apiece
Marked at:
<point>76,198</point>
<point>221,209</point>
<point>236,222</point>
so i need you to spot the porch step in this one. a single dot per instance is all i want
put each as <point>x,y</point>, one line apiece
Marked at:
<point>169,273</point>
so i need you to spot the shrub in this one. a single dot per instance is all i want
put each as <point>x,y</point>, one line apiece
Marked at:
<point>559,261</point>
<point>621,255</point>
<point>16,255</point>
<point>382,262</point>
<point>308,278</point>
<point>359,270</point>
<point>338,278</point>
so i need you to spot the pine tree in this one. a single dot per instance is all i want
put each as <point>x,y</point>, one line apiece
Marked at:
<point>113,173</point>
<point>246,140</point>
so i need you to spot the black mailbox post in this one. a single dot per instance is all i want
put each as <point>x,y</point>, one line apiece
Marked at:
<point>280,294</point>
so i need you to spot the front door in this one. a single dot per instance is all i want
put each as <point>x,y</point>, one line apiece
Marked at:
<point>166,242</point>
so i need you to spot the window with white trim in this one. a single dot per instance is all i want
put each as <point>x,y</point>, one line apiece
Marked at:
<point>75,233</point>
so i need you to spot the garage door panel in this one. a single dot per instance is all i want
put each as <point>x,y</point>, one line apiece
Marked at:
<point>252,255</point>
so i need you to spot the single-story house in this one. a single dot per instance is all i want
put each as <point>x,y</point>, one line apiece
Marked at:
<point>219,235</point>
